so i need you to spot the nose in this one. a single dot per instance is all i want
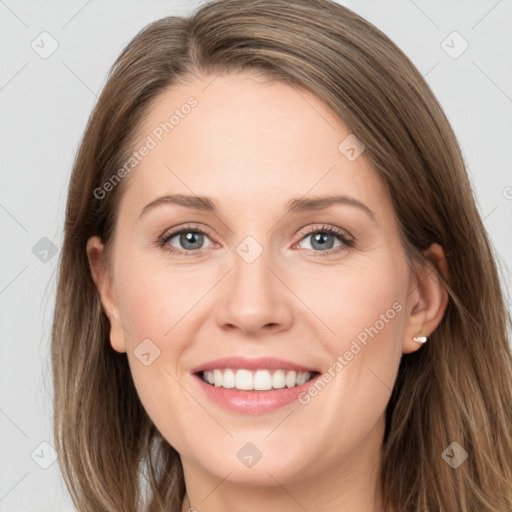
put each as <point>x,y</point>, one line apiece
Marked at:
<point>255,299</point>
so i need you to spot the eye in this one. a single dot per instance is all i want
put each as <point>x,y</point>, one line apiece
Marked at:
<point>190,240</point>
<point>322,240</point>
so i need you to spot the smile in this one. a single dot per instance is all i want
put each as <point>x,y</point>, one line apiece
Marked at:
<point>259,380</point>
<point>253,386</point>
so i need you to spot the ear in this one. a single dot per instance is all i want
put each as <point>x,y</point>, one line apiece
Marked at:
<point>104,284</point>
<point>428,297</point>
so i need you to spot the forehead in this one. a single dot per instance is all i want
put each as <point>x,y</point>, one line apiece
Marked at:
<point>246,139</point>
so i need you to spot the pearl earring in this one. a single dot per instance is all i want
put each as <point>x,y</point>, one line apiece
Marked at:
<point>420,339</point>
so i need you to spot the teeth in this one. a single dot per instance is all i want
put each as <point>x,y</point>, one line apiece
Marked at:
<point>229,379</point>
<point>217,378</point>
<point>301,379</point>
<point>291,379</point>
<point>259,380</point>
<point>262,380</point>
<point>278,381</point>
<point>243,379</point>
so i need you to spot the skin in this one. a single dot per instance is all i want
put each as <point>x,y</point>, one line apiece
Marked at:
<point>252,145</point>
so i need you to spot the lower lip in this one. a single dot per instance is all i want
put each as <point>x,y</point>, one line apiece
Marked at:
<point>253,402</point>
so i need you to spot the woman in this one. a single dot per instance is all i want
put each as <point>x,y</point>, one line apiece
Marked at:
<point>275,290</point>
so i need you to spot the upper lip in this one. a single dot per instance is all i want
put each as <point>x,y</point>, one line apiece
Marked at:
<point>266,363</point>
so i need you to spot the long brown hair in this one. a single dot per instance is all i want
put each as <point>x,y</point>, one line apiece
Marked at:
<point>456,388</point>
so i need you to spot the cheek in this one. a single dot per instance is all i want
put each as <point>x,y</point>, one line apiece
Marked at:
<point>156,307</point>
<point>363,307</point>
<point>365,311</point>
<point>144,311</point>
<point>369,307</point>
<point>360,300</point>
<point>150,310</point>
<point>153,300</point>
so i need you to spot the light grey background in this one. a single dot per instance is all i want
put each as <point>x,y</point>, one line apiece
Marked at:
<point>45,103</point>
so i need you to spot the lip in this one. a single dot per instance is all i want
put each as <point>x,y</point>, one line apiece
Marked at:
<point>253,402</point>
<point>259,363</point>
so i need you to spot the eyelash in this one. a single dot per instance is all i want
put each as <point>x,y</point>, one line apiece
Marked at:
<point>341,235</point>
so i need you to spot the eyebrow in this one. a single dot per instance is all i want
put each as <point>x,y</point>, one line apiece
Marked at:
<point>300,205</point>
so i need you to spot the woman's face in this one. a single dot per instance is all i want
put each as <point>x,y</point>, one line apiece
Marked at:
<point>269,279</point>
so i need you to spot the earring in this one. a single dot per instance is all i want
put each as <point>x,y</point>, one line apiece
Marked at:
<point>420,339</point>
